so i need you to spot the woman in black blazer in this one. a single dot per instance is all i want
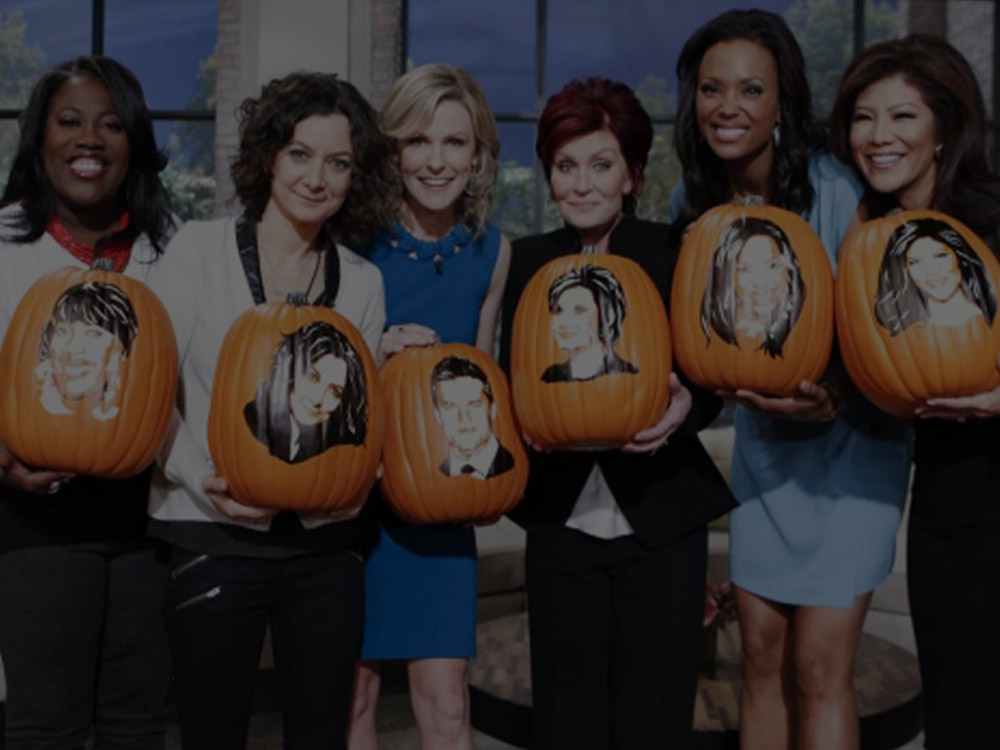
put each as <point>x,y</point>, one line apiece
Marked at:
<point>616,547</point>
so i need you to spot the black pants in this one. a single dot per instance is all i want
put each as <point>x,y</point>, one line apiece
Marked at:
<point>83,646</point>
<point>953,555</point>
<point>218,612</point>
<point>616,641</point>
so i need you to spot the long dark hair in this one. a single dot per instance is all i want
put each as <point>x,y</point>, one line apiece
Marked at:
<point>966,187</point>
<point>706,183</point>
<point>293,357</point>
<point>899,303</point>
<point>145,198</point>
<point>719,305</point>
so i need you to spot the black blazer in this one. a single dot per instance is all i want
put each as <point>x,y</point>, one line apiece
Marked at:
<point>664,496</point>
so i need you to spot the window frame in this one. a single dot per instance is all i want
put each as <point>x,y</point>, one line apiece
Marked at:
<point>97,18</point>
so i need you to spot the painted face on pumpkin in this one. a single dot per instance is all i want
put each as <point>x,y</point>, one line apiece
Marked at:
<point>933,268</point>
<point>81,355</point>
<point>464,412</point>
<point>574,319</point>
<point>761,276</point>
<point>83,348</point>
<point>318,391</point>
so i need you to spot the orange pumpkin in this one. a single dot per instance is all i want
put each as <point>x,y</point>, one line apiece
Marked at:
<point>917,310</point>
<point>590,353</point>
<point>296,414</point>
<point>452,448</point>
<point>751,304</point>
<point>89,373</point>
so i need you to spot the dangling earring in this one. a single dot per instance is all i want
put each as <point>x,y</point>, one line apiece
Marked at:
<point>473,174</point>
<point>938,150</point>
<point>776,134</point>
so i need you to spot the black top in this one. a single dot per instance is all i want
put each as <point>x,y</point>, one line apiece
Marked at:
<point>86,510</point>
<point>665,495</point>
<point>957,476</point>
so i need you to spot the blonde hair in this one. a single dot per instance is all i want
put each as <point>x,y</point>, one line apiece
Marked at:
<point>409,109</point>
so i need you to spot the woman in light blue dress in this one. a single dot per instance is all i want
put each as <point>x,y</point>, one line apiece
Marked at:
<point>821,477</point>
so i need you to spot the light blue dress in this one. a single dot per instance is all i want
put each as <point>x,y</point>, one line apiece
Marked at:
<point>819,503</point>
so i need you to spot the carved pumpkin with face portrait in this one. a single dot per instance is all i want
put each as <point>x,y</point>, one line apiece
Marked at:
<point>89,373</point>
<point>296,419</point>
<point>751,304</point>
<point>453,452</point>
<point>917,310</point>
<point>590,353</point>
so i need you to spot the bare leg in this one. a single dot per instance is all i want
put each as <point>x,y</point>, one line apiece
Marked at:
<point>361,734</point>
<point>439,693</point>
<point>825,643</point>
<point>766,699</point>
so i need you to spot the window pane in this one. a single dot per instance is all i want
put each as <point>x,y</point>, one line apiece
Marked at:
<point>169,45</point>
<point>32,42</point>
<point>662,172</point>
<point>9,133</point>
<point>825,32</point>
<point>190,172</point>
<point>495,42</point>
<point>513,196</point>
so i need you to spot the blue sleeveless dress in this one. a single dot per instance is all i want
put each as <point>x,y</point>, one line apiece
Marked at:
<point>420,581</point>
<point>819,503</point>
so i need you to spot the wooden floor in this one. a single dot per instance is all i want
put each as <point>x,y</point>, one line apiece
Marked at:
<point>885,677</point>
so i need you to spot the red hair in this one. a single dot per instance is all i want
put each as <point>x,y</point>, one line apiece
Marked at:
<point>584,107</point>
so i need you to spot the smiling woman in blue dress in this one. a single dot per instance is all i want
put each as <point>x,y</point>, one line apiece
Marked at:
<point>821,476</point>
<point>444,267</point>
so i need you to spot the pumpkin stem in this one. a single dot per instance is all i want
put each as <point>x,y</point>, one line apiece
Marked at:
<point>299,299</point>
<point>103,264</point>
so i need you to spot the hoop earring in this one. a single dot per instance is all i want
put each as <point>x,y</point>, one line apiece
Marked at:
<point>938,151</point>
<point>776,134</point>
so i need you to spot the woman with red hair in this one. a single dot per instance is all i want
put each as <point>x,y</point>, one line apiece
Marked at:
<point>616,545</point>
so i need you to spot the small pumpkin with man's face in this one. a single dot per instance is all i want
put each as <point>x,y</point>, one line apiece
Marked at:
<point>453,451</point>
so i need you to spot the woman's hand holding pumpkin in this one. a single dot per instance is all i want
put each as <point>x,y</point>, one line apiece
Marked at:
<point>15,474</point>
<point>814,402</point>
<point>650,439</point>
<point>960,408</point>
<point>217,490</point>
<point>397,338</point>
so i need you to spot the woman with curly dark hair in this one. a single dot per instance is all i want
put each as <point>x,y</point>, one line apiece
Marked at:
<point>821,479</point>
<point>80,628</point>
<point>311,169</point>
